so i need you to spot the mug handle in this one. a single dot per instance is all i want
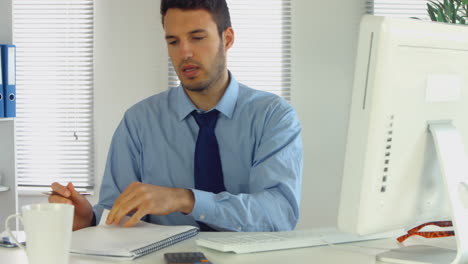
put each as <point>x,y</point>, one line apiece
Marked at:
<point>7,228</point>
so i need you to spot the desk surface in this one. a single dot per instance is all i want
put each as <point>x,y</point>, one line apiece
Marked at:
<point>351,253</point>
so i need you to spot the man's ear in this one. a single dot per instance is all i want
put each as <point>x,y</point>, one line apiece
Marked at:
<point>228,36</point>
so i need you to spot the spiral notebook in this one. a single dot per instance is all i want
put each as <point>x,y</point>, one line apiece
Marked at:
<point>127,243</point>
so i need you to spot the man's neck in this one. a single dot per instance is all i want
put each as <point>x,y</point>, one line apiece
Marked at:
<point>209,98</point>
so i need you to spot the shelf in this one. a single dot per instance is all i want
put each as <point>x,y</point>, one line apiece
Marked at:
<point>4,188</point>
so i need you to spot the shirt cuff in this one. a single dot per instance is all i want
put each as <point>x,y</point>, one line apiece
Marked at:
<point>97,211</point>
<point>204,208</point>
<point>93,221</point>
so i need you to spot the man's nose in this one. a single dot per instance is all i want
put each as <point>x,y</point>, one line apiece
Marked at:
<point>186,51</point>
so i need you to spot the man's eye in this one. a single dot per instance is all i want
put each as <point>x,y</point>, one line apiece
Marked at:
<point>172,42</point>
<point>198,38</point>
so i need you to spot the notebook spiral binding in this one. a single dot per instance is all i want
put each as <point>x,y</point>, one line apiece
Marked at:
<point>165,243</point>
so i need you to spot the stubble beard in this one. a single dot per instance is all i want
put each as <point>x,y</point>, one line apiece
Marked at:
<point>213,76</point>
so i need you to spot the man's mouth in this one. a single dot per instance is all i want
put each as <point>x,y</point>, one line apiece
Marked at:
<point>190,71</point>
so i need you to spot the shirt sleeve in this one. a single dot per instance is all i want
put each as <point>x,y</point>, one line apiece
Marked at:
<point>122,166</point>
<point>272,203</point>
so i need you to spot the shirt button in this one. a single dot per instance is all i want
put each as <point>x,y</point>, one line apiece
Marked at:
<point>202,217</point>
<point>239,228</point>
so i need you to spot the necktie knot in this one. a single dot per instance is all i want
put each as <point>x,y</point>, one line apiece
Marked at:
<point>206,119</point>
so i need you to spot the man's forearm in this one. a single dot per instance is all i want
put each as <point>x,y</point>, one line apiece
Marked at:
<point>269,210</point>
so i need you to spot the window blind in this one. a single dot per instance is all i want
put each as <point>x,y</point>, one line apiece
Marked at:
<point>399,8</point>
<point>261,55</point>
<point>54,124</point>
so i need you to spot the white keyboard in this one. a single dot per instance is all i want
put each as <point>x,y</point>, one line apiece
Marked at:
<point>266,241</point>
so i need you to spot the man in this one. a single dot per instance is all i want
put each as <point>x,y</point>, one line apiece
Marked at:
<point>165,166</point>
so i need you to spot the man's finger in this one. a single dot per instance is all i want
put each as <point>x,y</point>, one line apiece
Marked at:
<point>113,211</point>
<point>59,199</point>
<point>124,209</point>
<point>126,195</point>
<point>135,218</point>
<point>74,195</point>
<point>60,189</point>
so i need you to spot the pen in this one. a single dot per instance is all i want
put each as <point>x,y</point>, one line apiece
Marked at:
<point>51,192</point>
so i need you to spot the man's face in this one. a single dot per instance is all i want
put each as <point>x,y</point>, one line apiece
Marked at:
<point>196,50</point>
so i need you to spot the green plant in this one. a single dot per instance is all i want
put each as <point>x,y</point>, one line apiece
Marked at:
<point>448,11</point>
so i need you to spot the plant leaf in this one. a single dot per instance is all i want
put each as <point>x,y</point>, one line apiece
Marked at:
<point>453,12</point>
<point>432,12</point>
<point>440,11</point>
<point>448,11</point>
<point>441,17</point>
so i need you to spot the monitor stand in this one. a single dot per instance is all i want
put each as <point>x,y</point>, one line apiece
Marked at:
<point>454,170</point>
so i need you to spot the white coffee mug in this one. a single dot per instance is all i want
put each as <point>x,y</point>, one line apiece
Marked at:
<point>48,229</point>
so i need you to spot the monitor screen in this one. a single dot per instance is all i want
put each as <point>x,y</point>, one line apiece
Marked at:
<point>409,74</point>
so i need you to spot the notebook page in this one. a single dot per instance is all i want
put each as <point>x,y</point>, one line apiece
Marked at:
<point>115,241</point>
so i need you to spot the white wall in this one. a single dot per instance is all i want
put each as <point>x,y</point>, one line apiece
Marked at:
<point>324,44</point>
<point>6,29</point>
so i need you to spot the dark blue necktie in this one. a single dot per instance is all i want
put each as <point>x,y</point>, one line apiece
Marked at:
<point>207,170</point>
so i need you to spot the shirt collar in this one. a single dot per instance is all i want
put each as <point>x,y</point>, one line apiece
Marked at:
<point>225,106</point>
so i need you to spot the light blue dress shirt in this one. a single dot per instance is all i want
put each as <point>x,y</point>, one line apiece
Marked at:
<point>260,145</point>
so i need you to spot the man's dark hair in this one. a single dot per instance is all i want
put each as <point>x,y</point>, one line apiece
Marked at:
<point>217,8</point>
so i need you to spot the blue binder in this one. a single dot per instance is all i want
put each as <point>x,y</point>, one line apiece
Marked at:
<point>2,92</point>
<point>9,79</point>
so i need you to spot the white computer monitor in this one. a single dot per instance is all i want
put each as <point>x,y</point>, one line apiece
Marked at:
<point>405,161</point>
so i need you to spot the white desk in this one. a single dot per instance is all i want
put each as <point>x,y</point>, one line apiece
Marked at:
<point>352,253</point>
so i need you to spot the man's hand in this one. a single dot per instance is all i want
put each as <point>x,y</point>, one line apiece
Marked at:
<point>68,195</point>
<point>143,199</point>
